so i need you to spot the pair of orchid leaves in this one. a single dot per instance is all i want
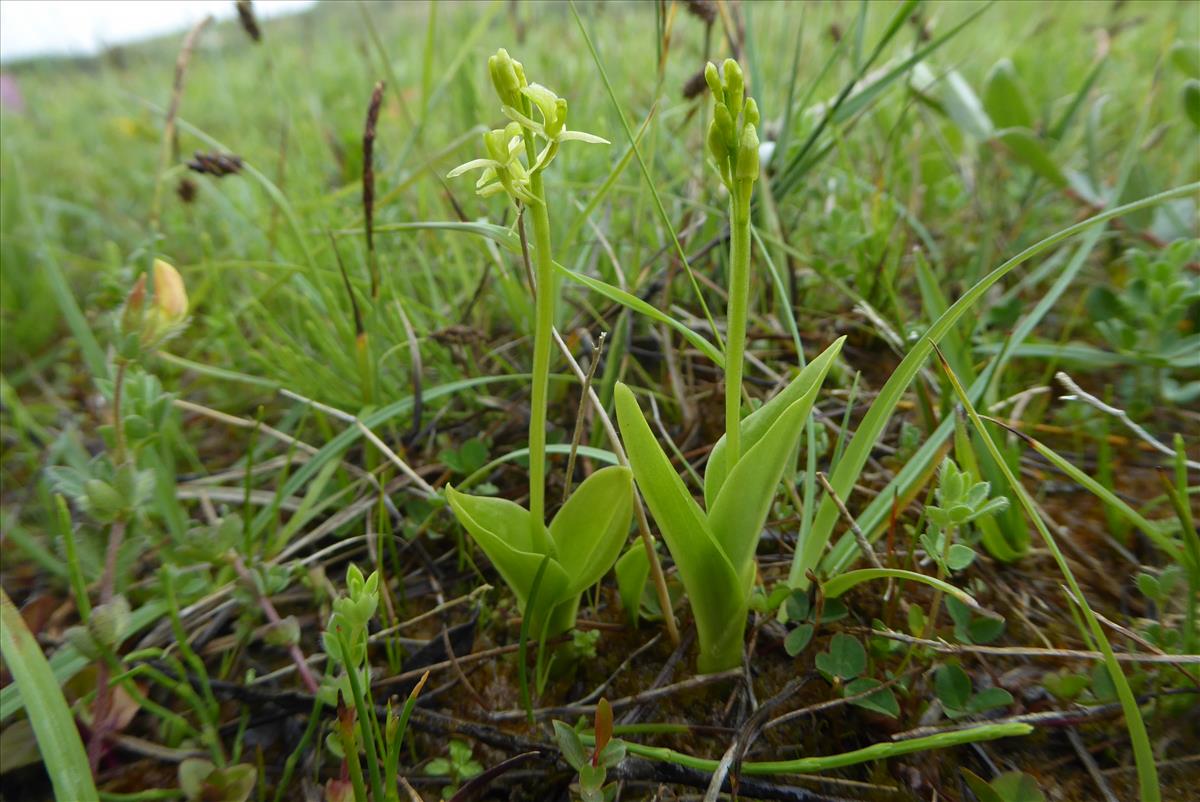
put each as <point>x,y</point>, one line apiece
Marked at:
<point>713,547</point>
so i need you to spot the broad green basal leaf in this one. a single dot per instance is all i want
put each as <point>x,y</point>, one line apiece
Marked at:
<point>501,528</point>
<point>633,569</point>
<point>1004,98</point>
<point>1026,148</point>
<point>590,529</point>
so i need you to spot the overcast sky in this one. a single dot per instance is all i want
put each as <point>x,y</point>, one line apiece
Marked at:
<point>83,27</point>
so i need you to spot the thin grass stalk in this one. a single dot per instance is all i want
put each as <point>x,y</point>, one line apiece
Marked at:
<point>170,140</point>
<point>812,765</point>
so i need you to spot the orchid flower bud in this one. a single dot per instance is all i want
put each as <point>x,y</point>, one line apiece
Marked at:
<point>713,79</point>
<point>496,144</point>
<point>724,122</point>
<point>507,77</point>
<point>735,86</point>
<point>716,144</point>
<point>750,113</point>
<point>747,158</point>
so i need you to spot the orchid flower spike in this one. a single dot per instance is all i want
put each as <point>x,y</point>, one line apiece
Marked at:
<point>503,169</point>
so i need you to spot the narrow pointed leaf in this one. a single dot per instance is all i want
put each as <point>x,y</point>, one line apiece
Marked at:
<point>719,597</point>
<point>474,164</point>
<point>582,136</point>
<point>737,516</point>
<point>51,719</point>
<point>802,388</point>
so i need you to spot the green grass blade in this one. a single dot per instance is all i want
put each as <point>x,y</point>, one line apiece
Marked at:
<point>855,456</point>
<point>58,739</point>
<point>843,582</point>
<point>1151,529</point>
<point>1143,754</point>
<point>638,305</point>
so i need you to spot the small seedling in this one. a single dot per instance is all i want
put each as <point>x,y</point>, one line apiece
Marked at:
<point>1151,322</point>
<point>201,781</point>
<point>592,766</point>
<point>457,767</point>
<point>960,501</point>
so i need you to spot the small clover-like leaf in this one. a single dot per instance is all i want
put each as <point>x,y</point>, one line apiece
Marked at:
<point>845,659</point>
<point>797,639</point>
<point>438,767</point>
<point>1065,685</point>
<point>989,699</point>
<point>952,686</point>
<point>882,701</point>
<point>798,605</point>
<point>1016,786</point>
<point>960,557</point>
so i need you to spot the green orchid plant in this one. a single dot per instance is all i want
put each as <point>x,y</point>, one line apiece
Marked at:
<point>583,541</point>
<point>714,546</point>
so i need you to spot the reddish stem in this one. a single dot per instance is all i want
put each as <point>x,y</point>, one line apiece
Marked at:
<point>272,615</point>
